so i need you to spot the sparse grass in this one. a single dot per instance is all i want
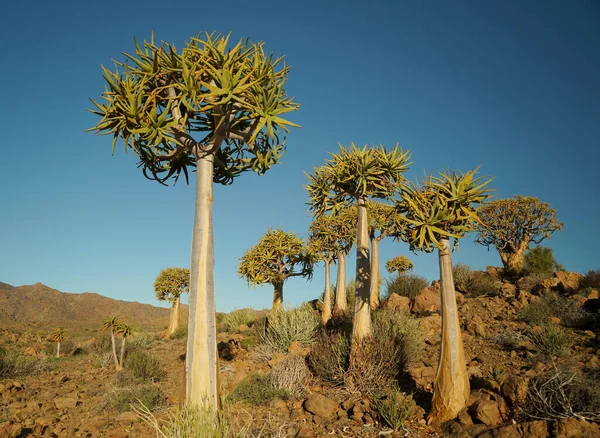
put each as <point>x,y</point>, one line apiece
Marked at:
<point>509,340</point>
<point>143,366</point>
<point>590,280</point>
<point>286,326</point>
<point>138,341</point>
<point>496,377</point>
<point>405,284</point>
<point>14,364</point>
<point>404,329</point>
<point>475,283</point>
<point>529,282</point>
<point>290,375</point>
<point>329,357</point>
<point>151,396</point>
<point>179,333</point>
<point>232,321</point>
<point>395,408</point>
<point>552,304</point>
<point>551,341</point>
<point>257,389</point>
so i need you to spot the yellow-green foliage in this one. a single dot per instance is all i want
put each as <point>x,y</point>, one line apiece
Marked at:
<point>399,264</point>
<point>395,408</point>
<point>286,326</point>
<point>171,283</point>
<point>257,389</point>
<point>233,320</point>
<point>277,256</point>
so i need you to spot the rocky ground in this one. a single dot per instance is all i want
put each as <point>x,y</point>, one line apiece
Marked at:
<point>71,396</point>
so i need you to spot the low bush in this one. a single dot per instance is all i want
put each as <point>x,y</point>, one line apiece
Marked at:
<point>509,340</point>
<point>496,377</point>
<point>290,375</point>
<point>139,341</point>
<point>144,366</point>
<point>551,341</point>
<point>552,304</point>
<point>100,344</point>
<point>395,408</point>
<point>541,261</point>
<point>405,284</point>
<point>474,283</point>
<point>404,330</point>
<point>560,394</point>
<point>232,321</point>
<point>257,389</point>
<point>329,357</point>
<point>591,279</point>
<point>122,399</point>
<point>67,347</point>
<point>179,333</point>
<point>14,364</point>
<point>286,326</point>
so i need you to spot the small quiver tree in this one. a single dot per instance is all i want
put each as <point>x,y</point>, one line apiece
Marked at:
<point>58,336</point>
<point>125,330</point>
<point>212,107</point>
<point>111,324</point>
<point>443,208</point>
<point>277,256</point>
<point>511,225</point>
<point>399,264</point>
<point>168,286</point>
<point>352,177</point>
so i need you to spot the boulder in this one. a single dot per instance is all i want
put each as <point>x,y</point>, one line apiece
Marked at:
<point>422,376</point>
<point>531,429</point>
<point>397,303</point>
<point>320,405</point>
<point>574,428</point>
<point>64,403</point>
<point>514,389</point>
<point>563,282</point>
<point>427,302</point>
<point>508,290</point>
<point>593,294</point>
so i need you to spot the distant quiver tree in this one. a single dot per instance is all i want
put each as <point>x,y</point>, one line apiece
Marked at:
<point>168,286</point>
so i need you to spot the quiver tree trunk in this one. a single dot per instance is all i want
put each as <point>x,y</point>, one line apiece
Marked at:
<point>375,274</point>
<point>114,350</point>
<point>361,326</point>
<point>326,314</point>
<point>513,261</point>
<point>277,296</point>
<point>58,349</point>
<point>451,385</point>
<point>202,361</point>
<point>122,352</point>
<point>174,318</point>
<point>340,285</point>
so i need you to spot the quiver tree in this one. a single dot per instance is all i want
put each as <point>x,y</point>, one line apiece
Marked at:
<point>443,208</point>
<point>58,336</point>
<point>210,107</point>
<point>399,264</point>
<point>511,225</point>
<point>111,324</point>
<point>125,330</point>
<point>353,176</point>
<point>168,286</point>
<point>382,222</point>
<point>345,231</point>
<point>277,256</point>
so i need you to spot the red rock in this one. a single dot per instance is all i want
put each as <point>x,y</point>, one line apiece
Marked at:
<point>397,303</point>
<point>574,428</point>
<point>532,429</point>
<point>320,405</point>
<point>427,302</point>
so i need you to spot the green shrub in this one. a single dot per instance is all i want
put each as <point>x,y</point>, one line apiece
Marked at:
<point>591,279</point>
<point>551,341</point>
<point>124,379</point>
<point>286,326</point>
<point>187,422</point>
<point>395,408</point>
<point>232,321</point>
<point>14,364</point>
<point>151,396</point>
<point>462,275</point>
<point>290,375</point>
<point>405,284</point>
<point>540,261</point>
<point>179,333</point>
<point>474,283</point>
<point>404,330</point>
<point>257,389</point>
<point>100,344</point>
<point>144,366</point>
<point>560,394</point>
<point>552,304</point>
<point>529,282</point>
<point>138,341</point>
<point>329,357</point>
<point>509,340</point>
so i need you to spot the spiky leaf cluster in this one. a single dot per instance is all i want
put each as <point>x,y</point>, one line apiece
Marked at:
<point>399,264</point>
<point>232,98</point>
<point>383,220</point>
<point>170,283</point>
<point>125,330</point>
<point>506,223</point>
<point>277,256</point>
<point>111,323</point>
<point>443,206</point>
<point>58,335</point>
<point>329,235</point>
<point>356,173</point>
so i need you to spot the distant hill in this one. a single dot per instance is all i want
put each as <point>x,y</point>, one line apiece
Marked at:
<point>41,306</point>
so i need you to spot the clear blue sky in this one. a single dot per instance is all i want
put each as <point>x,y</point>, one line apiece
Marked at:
<point>511,86</point>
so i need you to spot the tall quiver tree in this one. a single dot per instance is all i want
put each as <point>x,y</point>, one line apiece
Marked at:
<point>277,256</point>
<point>111,324</point>
<point>510,225</point>
<point>58,336</point>
<point>382,222</point>
<point>443,208</point>
<point>169,284</point>
<point>353,176</point>
<point>234,99</point>
<point>345,230</point>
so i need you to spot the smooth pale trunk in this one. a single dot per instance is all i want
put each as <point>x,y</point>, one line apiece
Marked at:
<point>340,285</point>
<point>361,326</point>
<point>202,361</point>
<point>375,275</point>
<point>173,318</point>
<point>122,352</point>
<point>277,296</point>
<point>58,349</point>
<point>326,314</point>
<point>451,386</point>
<point>514,261</point>
<point>114,349</point>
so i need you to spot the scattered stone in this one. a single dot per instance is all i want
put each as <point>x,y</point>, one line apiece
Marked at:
<point>574,428</point>
<point>320,405</point>
<point>514,389</point>
<point>427,302</point>
<point>508,290</point>
<point>305,432</point>
<point>397,303</point>
<point>46,420</point>
<point>64,403</point>
<point>126,417</point>
<point>553,320</point>
<point>298,349</point>
<point>532,429</point>
<point>593,294</point>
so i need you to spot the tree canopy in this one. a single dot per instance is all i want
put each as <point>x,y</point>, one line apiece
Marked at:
<point>171,283</point>
<point>399,264</point>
